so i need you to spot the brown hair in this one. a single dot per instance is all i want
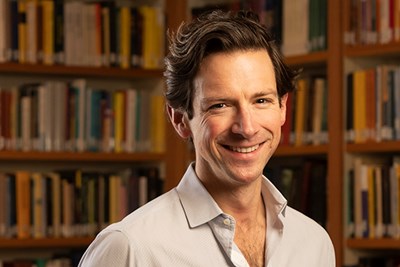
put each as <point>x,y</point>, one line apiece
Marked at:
<point>214,32</point>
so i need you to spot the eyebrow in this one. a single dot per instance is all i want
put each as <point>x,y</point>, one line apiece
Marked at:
<point>211,99</point>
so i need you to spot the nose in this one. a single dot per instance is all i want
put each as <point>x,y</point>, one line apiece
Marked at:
<point>244,123</point>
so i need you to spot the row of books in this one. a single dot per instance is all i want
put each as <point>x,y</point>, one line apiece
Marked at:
<point>268,11</point>
<point>304,26</point>
<point>372,22</point>
<point>72,116</point>
<point>373,198</point>
<point>300,26</point>
<point>81,33</point>
<point>373,104</point>
<point>303,184</point>
<point>306,113</point>
<point>71,203</point>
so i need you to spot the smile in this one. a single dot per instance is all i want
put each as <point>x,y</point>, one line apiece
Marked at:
<point>244,149</point>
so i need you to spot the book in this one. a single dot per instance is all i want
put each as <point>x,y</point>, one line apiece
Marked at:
<point>48,38</point>
<point>4,31</point>
<point>39,212</point>
<point>3,204</point>
<point>300,107</point>
<point>318,92</point>
<point>130,120</point>
<point>158,123</point>
<point>125,37</point>
<point>32,33</point>
<point>58,32</point>
<point>23,201</point>
<point>370,99</point>
<point>359,104</point>
<point>119,111</point>
<point>55,204</point>
<point>22,32</point>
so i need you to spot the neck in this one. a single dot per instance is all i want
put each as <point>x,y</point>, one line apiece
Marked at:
<point>242,203</point>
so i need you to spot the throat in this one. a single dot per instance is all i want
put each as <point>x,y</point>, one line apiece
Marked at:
<point>250,238</point>
<point>252,244</point>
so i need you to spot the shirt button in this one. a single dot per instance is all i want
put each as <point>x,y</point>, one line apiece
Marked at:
<point>227,221</point>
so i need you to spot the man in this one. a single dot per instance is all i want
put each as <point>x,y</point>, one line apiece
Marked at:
<point>227,88</point>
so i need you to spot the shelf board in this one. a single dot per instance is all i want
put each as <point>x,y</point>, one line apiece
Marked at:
<point>301,150</point>
<point>374,147</point>
<point>312,59</point>
<point>382,243</point>
<point>80,156</point>
<point>75,242</point>
<point>372,50</point>
<point>62,70</point>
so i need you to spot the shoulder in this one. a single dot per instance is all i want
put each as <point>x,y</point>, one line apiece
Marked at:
<point>134,233</point>
<point>307,237</point>
<point>161,209</point>
<point>305,229</point>
<point>110,248</point>
<point>147,223</point>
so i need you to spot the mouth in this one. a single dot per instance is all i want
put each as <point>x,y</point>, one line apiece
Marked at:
<point>244,150</point>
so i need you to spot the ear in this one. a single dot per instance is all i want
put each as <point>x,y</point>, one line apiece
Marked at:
<point>179,121</point>
<point>283,102</point>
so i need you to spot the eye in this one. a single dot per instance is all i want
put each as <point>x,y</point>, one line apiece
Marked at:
<point>264,100</point>
<point>218,106</point>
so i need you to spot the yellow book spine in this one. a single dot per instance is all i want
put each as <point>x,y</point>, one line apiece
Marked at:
<point>359,106</point>
<point>48,32</point>
<point>147,43</point>
<point>119,107</point>
<point>158,123</point>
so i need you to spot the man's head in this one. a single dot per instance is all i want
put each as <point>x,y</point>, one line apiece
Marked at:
<point>226,91</point>
<point>212,33</point>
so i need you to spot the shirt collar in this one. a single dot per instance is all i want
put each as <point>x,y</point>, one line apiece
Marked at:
<point>200,207</point>
<point>197,203</point>
<point>275,203</point>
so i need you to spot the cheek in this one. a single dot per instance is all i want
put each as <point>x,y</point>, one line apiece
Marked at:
<point>209,130</point>
<point>272,119</point>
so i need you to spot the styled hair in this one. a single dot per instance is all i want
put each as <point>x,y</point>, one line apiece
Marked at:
<point>216,32</point>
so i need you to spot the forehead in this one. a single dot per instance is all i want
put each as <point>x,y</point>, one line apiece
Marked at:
<point>235,71</point>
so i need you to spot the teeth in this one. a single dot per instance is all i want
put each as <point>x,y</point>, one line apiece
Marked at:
<point>244,149</point>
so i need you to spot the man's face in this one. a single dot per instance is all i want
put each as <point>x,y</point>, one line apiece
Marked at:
<point>237,117</point>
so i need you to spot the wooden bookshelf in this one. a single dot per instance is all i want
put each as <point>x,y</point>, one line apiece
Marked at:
<point>308,60</point>
<point>289,151</point>
<point>174,164</point>
<point>377,50</point>
<point>81,156</point>
<point>374,147</point>
<point>50,243</point>
<point>359,57</point>
<point>62,70</point>
<point>382,243</point>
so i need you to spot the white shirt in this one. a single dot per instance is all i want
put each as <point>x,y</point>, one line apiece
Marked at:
<point>186,227</point>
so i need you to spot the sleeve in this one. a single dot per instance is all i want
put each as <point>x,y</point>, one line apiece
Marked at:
<point>331,253</point>
<point>108,249</point>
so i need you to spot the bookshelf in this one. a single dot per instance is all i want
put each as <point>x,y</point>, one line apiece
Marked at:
<point>45,243</point>
<point>367,47</point>
<point>172,165</point>
<point>336,61</point>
